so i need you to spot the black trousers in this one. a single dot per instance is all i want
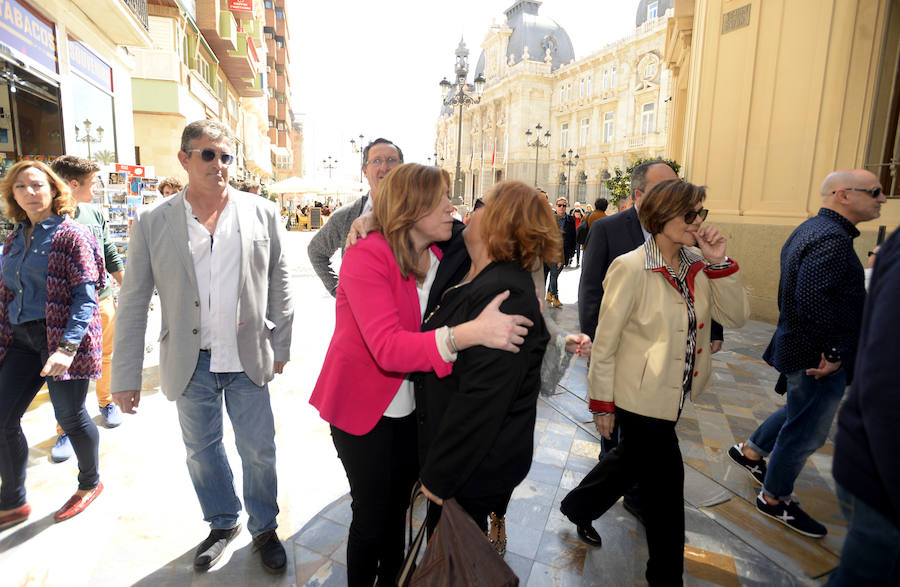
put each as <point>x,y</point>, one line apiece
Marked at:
<point>647,454</point>
<point>382,467</point>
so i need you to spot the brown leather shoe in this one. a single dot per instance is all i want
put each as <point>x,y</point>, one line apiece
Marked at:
<point>77,504</point>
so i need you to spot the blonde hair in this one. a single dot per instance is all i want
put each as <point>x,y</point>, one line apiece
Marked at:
<point>62,202</point>
<point>406,194</point>
<point>517,225</point>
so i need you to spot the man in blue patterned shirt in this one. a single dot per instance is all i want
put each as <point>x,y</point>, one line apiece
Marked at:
<point>820,300</point>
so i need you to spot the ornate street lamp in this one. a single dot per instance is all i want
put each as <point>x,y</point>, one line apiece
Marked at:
<point>538,142</point>
<point>359,149</point>
<point>329,165</point>
<point>570,163</point>
<point>86,137</point>
<point>460,93</point>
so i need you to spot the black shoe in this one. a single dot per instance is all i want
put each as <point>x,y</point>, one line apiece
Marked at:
<point>790,514</point>
<point>756,468</point>
<point>271,552</point>
<point>210,550</point>
<point>634,510</point>
<point>588,534</point>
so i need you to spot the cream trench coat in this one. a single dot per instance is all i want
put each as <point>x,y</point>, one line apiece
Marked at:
<point>638,353</point>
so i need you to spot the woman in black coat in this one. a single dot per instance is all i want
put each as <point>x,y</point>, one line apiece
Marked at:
<point>476,426</point>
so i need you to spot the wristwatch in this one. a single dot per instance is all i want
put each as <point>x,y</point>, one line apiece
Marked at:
<point>832,355</point>
<point>69,348</point>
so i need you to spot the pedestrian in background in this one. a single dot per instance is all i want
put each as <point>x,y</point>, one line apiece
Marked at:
<point>80,175</point>
<point>566,225</point>
<point>49,330</point>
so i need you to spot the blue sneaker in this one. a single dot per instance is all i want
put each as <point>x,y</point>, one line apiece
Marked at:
<point>62,450</point>
<point>112,415</point>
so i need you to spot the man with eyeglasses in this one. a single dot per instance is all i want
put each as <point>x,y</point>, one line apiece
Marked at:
<point>567,230</point>
<point>215,255</point>
<point>81,176</point>
<point>379,157</point>
<point>820,301</point>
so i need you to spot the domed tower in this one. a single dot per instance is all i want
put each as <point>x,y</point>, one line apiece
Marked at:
<point>646,9</point>
<point>537,34</point>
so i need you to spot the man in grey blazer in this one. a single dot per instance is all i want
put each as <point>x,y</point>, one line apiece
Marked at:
<point>379,157</point>
<point>215,256</point>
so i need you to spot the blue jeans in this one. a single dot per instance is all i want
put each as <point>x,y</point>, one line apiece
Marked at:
<point>20,380</point>
<point>200,415</point>
<point>871,554</point>
<point>553,286</point>
<point>797,429</point>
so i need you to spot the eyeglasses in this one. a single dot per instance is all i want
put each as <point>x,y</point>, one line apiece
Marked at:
<point>562,205</point>
<point>379,162</point>
<point>691,215</point>
<point>479,203</point>
<point>210,154</point>
<point>874,192</point>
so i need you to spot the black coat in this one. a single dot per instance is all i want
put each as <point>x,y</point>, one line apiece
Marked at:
<point>476,426</point>
<point>568,237</point>
<point>608,238</point>
<point>866,460</point>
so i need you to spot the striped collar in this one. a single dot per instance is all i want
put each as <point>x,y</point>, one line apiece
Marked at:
<point>653,258</point>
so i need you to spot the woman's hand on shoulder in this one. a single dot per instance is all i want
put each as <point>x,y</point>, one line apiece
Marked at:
<point>359,229</point>
<point>494,329</point>
<point>57,364</point>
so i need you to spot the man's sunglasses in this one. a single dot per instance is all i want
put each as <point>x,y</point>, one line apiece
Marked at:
<point>691,215</point>
<point>874,192</point>
<point>210,154</point>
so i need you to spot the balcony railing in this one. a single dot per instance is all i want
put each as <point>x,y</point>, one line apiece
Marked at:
<point>139,8</point>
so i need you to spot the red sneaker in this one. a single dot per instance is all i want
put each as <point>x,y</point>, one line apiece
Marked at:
<point>77,504</point>
<point>16,516</point>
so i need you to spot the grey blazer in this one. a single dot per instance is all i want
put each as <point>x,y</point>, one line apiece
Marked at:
<point>329,239</point>
<point>158,256</point>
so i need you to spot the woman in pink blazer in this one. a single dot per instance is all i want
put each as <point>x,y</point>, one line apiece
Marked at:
<point>362,390</point>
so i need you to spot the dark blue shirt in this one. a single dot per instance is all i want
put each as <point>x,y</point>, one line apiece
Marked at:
<point>820,295</point>
<point>25,273</point>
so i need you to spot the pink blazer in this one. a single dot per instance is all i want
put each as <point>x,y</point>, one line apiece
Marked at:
<point>377,339</point>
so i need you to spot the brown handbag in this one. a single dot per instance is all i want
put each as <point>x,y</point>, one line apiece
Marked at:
<point>460,554</point>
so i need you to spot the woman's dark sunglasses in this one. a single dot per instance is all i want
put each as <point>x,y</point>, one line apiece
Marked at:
<point>691,215</point>
<point>209,154</point>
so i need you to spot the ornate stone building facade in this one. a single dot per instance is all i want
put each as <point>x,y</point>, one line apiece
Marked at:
<point>608,108</point>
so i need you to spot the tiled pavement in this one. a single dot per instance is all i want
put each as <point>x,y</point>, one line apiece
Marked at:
<point>728,543</point>
<point>144,528</point>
